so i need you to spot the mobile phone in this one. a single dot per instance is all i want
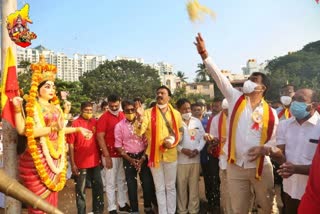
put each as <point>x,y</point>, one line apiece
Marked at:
<point>316,141</point>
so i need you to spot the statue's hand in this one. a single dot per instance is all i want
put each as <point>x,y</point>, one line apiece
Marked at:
<point>17,101</point>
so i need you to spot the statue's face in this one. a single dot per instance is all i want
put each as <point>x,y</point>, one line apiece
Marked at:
<point>47,91</point>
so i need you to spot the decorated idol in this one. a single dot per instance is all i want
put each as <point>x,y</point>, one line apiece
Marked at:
<point>43,164</point>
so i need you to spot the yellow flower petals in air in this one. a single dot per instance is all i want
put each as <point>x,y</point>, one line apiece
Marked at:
<point>196,11</point>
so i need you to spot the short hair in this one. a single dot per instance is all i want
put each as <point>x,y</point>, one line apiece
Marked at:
<point>85,105</point>
<point>125,103</point>
<point>196,105</point>
<point>114,98</point>
<point>103,104</point>
<point>164,87</point>
<point>181,102</point>
<point>217,99</point>
<point>138,99</point>
<point>265,80</point>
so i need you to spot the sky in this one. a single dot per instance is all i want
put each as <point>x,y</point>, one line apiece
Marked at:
<point>160,30</point>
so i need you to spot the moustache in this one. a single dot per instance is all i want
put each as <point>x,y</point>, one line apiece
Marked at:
<point>159,98</point>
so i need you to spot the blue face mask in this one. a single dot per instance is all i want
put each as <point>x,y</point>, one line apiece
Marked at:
<point>299,110</point>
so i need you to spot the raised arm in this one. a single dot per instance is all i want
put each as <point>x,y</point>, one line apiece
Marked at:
<point>222,82</point>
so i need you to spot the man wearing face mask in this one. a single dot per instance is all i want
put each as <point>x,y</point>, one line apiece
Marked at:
<point>85,161</point>
<point>287,92</point>
<point>252,124</point>
<point>189,160</point>
<point>294,140</point>
<point>162,125</point>
<point>111,159</point>
<point>132,148</point>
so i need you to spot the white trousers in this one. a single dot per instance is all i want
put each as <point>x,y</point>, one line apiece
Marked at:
<point>116,181</point>
<point>164,178</point>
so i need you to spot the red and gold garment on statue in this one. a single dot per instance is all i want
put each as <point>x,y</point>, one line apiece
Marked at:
<point>42,166</point>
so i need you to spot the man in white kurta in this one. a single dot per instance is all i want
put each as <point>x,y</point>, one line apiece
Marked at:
<point>242,172</point>
<point>293,137</point>
<point>188,171</point>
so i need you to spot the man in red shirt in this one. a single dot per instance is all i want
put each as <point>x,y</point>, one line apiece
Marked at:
<point>310,201</point>
<point>112,160</point>
<point>85,160</point>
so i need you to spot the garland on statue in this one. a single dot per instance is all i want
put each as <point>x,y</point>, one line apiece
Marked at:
<point>35,120</point>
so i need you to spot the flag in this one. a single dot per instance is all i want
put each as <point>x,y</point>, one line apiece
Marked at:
<point>9,88</point>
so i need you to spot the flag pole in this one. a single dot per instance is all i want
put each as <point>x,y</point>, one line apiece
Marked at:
<point>9,133</point>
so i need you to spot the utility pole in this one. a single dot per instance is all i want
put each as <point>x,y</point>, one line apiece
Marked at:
<point>9,133</point>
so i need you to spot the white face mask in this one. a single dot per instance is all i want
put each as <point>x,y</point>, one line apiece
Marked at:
<point>115,113</point>
<point>162,106</point>
<point>186,116</point>
<point>285,100</point>
<point>224,104</point>
<point>248,86</point>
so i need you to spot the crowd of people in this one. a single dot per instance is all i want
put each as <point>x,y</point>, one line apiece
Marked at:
<point>253,158</point>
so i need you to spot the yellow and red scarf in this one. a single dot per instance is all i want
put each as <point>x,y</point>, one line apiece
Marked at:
<point>266,132</point>
<point>286,112</point>
<point>222,132</point>
<point>156,148</point>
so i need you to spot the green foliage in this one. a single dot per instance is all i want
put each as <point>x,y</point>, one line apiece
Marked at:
<point>202,74</point>
<point>76,95</point>
<point>182,76</point>
<point>129,79</point>
<point>73,88</point>
<point>300,68</point>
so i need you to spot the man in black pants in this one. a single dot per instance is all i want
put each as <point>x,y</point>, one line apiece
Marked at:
<point>210,165</point>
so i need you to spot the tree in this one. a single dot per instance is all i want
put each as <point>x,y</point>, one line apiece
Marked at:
<point>74,88</point>
<point>300,68</point>
<point>202,74</point>
<point>182,76</point>
<point>129,79</point>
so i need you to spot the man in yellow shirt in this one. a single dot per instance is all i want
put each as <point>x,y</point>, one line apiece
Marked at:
<point>161,125</point>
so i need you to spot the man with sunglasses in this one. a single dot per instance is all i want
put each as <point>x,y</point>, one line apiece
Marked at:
<point>132,149</point>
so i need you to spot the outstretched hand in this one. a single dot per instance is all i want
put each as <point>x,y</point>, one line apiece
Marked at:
<point>86,133</point>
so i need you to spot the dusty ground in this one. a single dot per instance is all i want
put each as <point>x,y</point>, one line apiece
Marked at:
<point>67,199</point>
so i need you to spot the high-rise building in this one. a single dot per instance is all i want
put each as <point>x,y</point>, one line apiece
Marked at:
<point>69,69</point>
<point>167,76</point>
<point>139,60</point>
<point>253,66</point>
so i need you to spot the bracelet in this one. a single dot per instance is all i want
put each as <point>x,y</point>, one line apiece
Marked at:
<point>17,109</point>
<point>53,129</point>
<point>202,52</point>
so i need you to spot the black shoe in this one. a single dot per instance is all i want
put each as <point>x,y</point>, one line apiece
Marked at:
<point>125,209</point>
<point>113,212</point>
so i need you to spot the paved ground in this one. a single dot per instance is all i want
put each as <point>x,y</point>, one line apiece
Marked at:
<point>67,199</point>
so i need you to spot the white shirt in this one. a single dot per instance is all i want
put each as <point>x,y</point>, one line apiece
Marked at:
<point>192,139</point>
<point>214,130</point>
<point>246,136</point>
<point>298,149</point>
